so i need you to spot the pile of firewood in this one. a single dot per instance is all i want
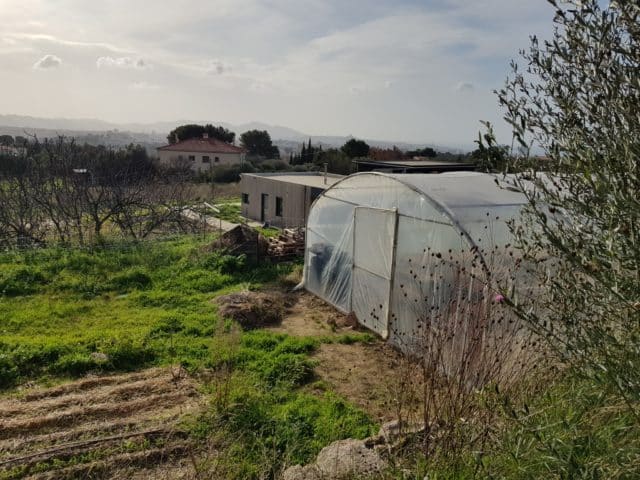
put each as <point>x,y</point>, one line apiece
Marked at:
<point>290,243</point>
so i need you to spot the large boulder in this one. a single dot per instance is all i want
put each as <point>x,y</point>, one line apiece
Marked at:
<point>252,309</point>
<point>342,459</point>
<point>349,457</point>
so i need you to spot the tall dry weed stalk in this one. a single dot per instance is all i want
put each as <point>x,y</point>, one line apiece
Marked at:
<point>467,348</point>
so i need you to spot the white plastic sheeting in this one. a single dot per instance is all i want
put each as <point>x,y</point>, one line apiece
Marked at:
<point>376,242</point>
<point>374,236</point>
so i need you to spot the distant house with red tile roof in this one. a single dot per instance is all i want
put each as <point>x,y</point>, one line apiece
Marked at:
<point>201,153</point>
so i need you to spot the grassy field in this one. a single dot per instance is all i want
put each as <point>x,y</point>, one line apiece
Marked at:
<point>66,312</point>
<point>123,307</point>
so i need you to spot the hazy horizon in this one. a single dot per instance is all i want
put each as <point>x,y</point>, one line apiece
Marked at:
<point>412,71</point>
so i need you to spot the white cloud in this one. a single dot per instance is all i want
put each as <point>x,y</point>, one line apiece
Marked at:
<point>52,39</point>
<point>426,66</point>
<point>145,86</point>
<point>47,62</point>
<point>465,87</point>
<point>121,62</point>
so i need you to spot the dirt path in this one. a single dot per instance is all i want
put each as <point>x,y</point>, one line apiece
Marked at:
<point>100,427</point>
<point>364,373</point>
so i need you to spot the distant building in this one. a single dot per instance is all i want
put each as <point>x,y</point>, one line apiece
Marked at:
<point>201,154</point>
<point>12,151</point>
<point>419,165</point>
<point>282,199</point>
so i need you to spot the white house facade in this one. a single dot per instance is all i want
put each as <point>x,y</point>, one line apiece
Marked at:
<point>202,154</point>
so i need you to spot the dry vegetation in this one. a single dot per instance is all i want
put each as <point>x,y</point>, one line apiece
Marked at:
<point>100,427</point>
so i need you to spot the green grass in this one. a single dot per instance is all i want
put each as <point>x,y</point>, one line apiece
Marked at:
<point>231,212</point>
<point>566,428</point>
<point>261,417</point>
<point>270,232</point>
<point>150,304</point>
<point>141,305</point>
<point>575,429</point>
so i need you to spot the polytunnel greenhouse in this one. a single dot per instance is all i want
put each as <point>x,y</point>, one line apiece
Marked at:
<point>390,248</point>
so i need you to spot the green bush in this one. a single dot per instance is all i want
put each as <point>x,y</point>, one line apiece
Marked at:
<point>230,174</point>
<point>76,363</point>
<point>21,281</point>
<point>125,354</point>
<point>130,280</point>
<point>223,263</point>
<point>9,372</point>
<point>284,368</point>
<point>167,326</point>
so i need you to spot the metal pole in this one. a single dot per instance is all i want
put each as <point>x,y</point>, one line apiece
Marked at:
<point>394,250</point>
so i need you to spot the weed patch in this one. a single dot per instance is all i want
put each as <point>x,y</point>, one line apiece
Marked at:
<point>69,311</point>
<point>261,420</point>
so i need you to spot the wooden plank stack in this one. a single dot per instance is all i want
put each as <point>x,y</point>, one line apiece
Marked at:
<point>287,245</point>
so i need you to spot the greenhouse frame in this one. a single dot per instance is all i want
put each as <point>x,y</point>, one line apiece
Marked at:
<point>389,248</point>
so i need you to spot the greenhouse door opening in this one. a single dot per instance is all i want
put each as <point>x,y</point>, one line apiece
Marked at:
<point>374,240</point>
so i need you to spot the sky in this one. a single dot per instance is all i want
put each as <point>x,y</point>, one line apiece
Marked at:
<point>405,70</point>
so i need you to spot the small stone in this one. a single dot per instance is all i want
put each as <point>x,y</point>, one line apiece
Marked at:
<point>298,472</point>
<point>99,357</point>
<point>348,457</point>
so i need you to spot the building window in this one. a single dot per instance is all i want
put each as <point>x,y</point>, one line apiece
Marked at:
<point>206,159</point>
<point>278,206</point>
<point>192,158</point>
<point>180,157</point>
<point>245,198</point>
<point>216,160</point>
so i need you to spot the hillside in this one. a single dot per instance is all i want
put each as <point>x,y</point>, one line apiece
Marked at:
<point>152,135</point>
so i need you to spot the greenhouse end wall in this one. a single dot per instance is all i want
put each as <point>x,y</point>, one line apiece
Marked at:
<point>389,247</point>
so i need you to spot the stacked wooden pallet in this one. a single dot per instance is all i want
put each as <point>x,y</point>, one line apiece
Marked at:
<point>289,244</point>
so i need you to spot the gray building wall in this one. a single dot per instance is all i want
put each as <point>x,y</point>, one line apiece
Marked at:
<point>195,159</point>
<point>296,200</point>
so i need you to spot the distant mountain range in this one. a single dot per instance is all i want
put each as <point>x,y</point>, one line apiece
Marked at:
<point>152,135</point>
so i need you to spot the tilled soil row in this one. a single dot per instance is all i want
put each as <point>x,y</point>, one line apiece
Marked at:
<point>116,466</point>
<point>93,382</point>
<point>19,444</point>
<point>114,392</point>
<point>97,427</point>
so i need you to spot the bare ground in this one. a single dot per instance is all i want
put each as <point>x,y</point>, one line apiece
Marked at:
<point>366,374</point>
<point>116,426</point>
<point>128,426</point>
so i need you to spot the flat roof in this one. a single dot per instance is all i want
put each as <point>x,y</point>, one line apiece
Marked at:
<point>316,180</point>
<point>415,163</point>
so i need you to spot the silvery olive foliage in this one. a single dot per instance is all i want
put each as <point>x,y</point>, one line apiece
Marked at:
<point>577,97</point>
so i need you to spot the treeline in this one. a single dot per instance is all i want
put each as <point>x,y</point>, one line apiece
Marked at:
<point>59,191</point>
<point>257,143</point>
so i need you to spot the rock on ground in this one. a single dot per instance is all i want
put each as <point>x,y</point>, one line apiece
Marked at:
<point>344,458</point>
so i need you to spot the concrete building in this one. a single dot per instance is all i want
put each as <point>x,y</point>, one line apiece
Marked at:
<point>412,166</point>
<point>202,154</point>
<point>282,199</point>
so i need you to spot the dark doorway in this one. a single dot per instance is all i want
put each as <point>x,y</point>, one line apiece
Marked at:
<point>264,205</point>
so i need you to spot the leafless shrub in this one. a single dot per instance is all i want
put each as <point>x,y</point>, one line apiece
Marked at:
<point>22,222</point>
<point>467,346</point>
<point>61,191</point>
